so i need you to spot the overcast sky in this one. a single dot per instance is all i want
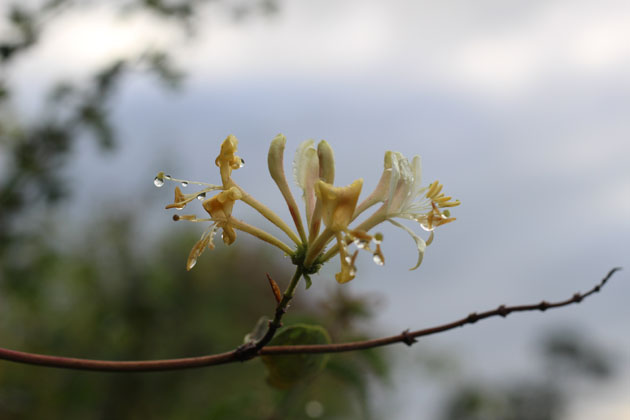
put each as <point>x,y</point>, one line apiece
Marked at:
<point>520,109</point>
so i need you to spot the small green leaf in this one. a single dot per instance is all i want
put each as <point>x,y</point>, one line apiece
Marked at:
<point>287,370</point>
<point>308,280</point>
<point>258,332</point>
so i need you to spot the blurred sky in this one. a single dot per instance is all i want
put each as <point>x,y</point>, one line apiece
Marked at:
<point>520,108</point>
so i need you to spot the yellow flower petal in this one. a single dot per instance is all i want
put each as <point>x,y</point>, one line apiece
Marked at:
<point>180,200</point>
<point>338,203</point>
<point>220,208</point>
<point>227,159</point>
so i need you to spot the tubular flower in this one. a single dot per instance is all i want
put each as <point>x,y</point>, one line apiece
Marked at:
<point>338,205</point>
<point>220,208</point>
<point>227,159</point>
<point>306,173</point>
<point>399,191</point>
<point>403,196</point>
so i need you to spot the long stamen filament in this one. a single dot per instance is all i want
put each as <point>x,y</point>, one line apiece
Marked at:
<point>187,182</point>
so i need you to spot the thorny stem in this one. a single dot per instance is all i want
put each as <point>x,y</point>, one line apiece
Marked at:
<point>281,309</point>
<point>250,350</point>
<point>407,337</point>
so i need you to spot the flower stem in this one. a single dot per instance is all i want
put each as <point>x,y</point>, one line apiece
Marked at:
<point>281,309</point>
<point>317,246</point>
<point>269,214</point>
<point>260,234</point>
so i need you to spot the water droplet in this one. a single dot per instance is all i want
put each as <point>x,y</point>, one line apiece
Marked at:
<point>192,263</point>
<point>427,227</point>
<point>314,409</point>
<point>180,208</point>
<point>185,184</point>
<point>168,177</point>
<point>242,163</point>
<point>348,259</point>
<point>158,182</point>
<point>361,244</point>
<point>201,196</point>
<point>352,272</point>
<point>378,260</point>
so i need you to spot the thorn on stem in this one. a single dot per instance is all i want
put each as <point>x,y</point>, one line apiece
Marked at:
<point>408,339</point>
<point>472,318</point>
<point>502,310</point>
<point>577,298</point>
<point>275,289</point>
<point>543,306</point>
<point>245,352</point>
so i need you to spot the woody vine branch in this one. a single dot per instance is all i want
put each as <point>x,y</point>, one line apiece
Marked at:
<point>407,337</point>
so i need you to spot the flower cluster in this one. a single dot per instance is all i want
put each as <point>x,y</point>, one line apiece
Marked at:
<point>399,193</point>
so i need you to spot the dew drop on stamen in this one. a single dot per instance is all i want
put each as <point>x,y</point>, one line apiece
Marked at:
<point>242,163</point>
<point>378,260</point>
<point>158,182</point>
<point>427,227</point>
<point>168,177</point>
<point>185,184</point>
<point>191,264</point>
<point>201,196</point>
<point>348,259</point>
<point>361,244</point>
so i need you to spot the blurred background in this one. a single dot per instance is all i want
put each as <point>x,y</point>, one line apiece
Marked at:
<point>520,109</point>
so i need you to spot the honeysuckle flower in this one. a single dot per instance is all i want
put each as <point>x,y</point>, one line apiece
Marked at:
<point>206,241</point>
<point>306,173</point>
<point>338,205</point>
<point>399,191</point>
<point>403,196</point>
<point>275,162</point>
<point>220,208</point>
<point>227,159</point>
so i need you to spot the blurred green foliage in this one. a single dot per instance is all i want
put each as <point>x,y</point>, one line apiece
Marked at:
<point>105,298</point>
<point>288,370</point>
<point>104,295</point>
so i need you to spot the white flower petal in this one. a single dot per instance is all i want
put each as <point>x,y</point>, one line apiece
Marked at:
<point>416,167</point>
<point>306,173</point>
<point>420,243</point>
<point>395,177</point>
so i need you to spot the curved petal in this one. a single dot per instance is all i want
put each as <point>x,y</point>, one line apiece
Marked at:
<point>420,243</point>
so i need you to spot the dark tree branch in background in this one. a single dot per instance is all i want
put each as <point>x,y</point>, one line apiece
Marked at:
<point>407,337</point>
